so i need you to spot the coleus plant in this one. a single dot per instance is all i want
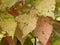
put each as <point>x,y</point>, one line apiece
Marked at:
<point>20,17</point>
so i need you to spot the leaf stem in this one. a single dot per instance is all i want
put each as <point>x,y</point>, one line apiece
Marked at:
<point>35,40</point>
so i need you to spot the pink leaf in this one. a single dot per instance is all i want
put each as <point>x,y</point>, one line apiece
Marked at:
<point>43,30</point>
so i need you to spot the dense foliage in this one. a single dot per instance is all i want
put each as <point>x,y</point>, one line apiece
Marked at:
<point>29,22</point>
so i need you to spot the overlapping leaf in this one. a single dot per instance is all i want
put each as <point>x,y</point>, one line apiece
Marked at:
<point>43,29</point>
<point>7,4</point>
<point>27,23</point>
<point>28,41</point>
<point>19,34</point>
<point>46,8</point>
<point>55,41</point>
<point>56,30</point>
<point>8,23</point>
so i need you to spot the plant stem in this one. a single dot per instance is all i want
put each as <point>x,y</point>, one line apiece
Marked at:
<point>35,40</point>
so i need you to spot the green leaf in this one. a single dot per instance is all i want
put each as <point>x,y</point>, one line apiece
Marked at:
<point>53,39</point>
<point>57,42</point>
<point>58,18</point>
<point>28,41</point>
<point>36,2</point>
<point>33,2</point>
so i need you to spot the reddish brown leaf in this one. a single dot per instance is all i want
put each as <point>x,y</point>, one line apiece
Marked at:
<point>49,42</point>
<point>7,41</point>
<point>13,12</point>
<point>43,30</point>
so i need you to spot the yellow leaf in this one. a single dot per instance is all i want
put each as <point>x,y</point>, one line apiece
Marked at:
<point>27,23</point>
<point>8,23</point>
<point>19,34</point>
<point>46,8</point>
<point>7,4</point>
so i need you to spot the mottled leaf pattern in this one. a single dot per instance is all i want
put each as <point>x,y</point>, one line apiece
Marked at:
<point>27,23</point>
<point>46,8</point>
<point>43,30</point>
<point>8,23</point>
